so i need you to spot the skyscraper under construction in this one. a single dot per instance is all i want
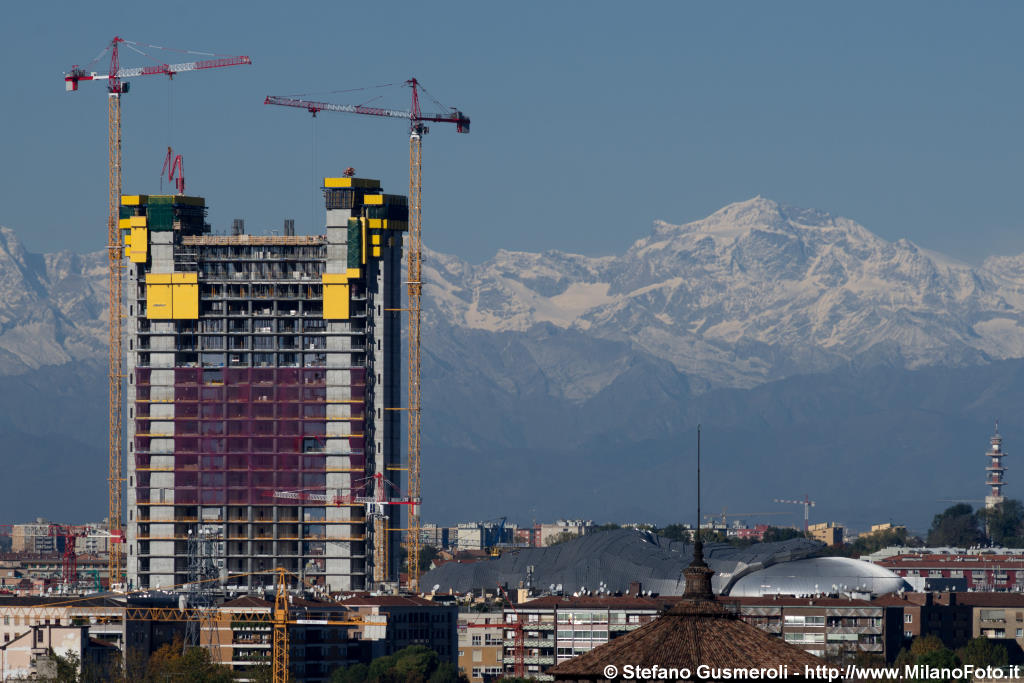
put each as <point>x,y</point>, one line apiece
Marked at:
<point>264,374</point>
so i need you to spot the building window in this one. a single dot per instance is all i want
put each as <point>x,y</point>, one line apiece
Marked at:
<point>908,634</point>
<point>908,618</point>
<point>1020,633</point>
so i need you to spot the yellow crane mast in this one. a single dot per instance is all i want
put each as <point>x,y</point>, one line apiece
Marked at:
<point>117,85</point>
<point>417,120</point>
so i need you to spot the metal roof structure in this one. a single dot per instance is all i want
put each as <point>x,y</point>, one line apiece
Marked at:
<point>613,560</point>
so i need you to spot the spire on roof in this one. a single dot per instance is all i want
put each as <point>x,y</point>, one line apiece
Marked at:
<point>698,574</point>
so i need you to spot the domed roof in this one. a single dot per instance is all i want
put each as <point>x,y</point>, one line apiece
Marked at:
<point>817,575</point>
<point>690,634</point>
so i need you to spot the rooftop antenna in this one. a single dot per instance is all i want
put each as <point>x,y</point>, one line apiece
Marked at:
<point>698,542</point>
<point>698,574</point>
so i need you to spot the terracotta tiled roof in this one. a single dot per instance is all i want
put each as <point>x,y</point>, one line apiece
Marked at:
<point>991,599</point>
<point>692,633</point>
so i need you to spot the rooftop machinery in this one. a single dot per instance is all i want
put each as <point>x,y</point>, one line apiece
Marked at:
<point>417,129</point>
<point>116,78</point>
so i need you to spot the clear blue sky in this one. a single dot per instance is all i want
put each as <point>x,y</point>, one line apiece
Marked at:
<point>590,119</point>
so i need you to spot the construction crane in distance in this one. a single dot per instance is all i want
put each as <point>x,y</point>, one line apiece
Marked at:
<point>116,79</point>
<point>417,129</point>
<point>724,517</point>
<point>807,503</point>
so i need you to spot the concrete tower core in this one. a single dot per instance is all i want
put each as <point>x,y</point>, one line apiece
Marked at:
<point>263,374</point>
<point>995,479</point>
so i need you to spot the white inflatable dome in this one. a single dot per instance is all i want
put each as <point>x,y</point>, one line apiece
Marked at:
<point>817,575</point>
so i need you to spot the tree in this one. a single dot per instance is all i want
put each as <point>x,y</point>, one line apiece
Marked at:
<point>955,526</point>
<point>1004,523</point>
<point>194,666</point>
<point>446,672</point>
<point>356,673</point>
<point>610,526</point>
<point>414,664</point>
<point>983,652</point>
<point>66,666</point>
<point>261,673</point>
<point>939,659</point>
<point>865,545</point>
<point>929,651</point>
<point>428,554</point>
<point>923,645</point>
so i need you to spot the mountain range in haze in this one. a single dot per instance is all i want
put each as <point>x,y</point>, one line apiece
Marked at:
<point>820,358</point>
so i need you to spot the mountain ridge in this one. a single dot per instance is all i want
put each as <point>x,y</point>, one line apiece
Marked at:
<point>755,292</point>
<point>818,356</point>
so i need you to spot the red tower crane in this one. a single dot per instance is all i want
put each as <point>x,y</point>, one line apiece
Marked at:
<point>417,129</point>
<point>116,78</point>
<point>519,644</point>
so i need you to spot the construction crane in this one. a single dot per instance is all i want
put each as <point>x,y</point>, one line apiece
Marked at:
<point>519,643</point>
<point>724,517</point>
<point>71,533</point>
<point>116,79</point>
<point>417,129</point>
<point>807,503</point>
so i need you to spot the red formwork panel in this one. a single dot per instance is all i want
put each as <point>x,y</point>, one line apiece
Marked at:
<point>240,434</point>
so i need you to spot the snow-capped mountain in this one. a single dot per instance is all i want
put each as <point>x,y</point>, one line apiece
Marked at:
<point>576,381</point>
<point>52,307</point>
<point>755,292</point>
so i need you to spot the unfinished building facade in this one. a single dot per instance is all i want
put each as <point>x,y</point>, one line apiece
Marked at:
<point>264,379</point>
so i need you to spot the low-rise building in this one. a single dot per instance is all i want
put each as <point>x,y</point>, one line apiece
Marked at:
<point>481,645</point>
<point>574,527</point>
<point>35,538</point>
<point>409,621</point>
<point>829,533</point>
<point>824,625</point>
<point>557,628</point>
<point>876,528</point>
<point>959,570</point>
<point>936,614</point>
<point>995,615</point>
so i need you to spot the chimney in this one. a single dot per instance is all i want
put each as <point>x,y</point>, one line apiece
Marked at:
<point>238,226</point>
<point>289,226</point>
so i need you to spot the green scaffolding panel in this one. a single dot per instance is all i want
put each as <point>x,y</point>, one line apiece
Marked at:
<point>355,243</point>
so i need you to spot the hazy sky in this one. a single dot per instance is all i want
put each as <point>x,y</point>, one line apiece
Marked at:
<point>590,119</point>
